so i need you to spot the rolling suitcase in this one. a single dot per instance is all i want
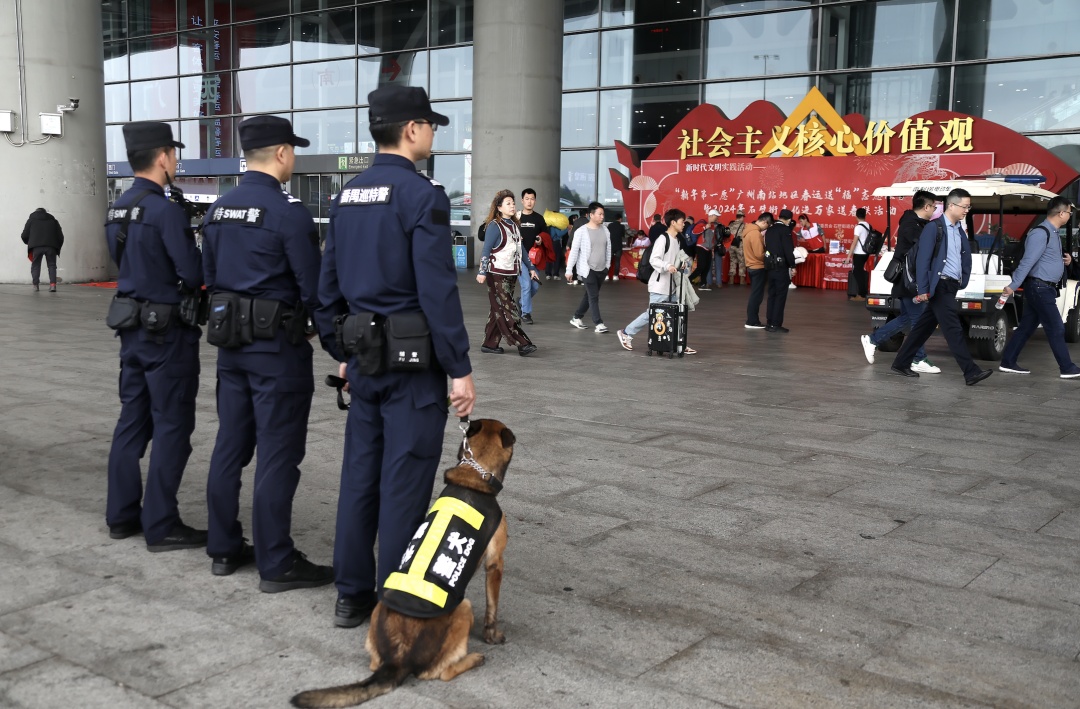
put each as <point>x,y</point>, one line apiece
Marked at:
<point>667,329</point>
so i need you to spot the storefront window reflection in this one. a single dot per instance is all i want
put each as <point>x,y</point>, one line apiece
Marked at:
<point>151,17</point>
<point>451,72</point>
<point>887,95</point>
<point>451,22</point>
<point>116,61</point>
<point>324,84</point>
<point>392,26</point>
<point>581,15</point>
<point>656,53</point>
<point>727,7</point>
<point>407,68</point>
<point>989,29</point>
<point>154,56</point>
<point>263,90</point>
<point>154,100</point>
<point>606,194</point>
<point>579,120</point>
<point>580,60</point>
<point>760,45</point>
<point>116,103</point>
<point>195,14</point>
<point>577,177</point>
<point>206,95</point>
<point>324,36</point>
<point>457,135</point>
<point>454,173</point>
<point>626,12</point>
<point>115,150</point>
<point>244,10</point>
<point>206,50</point>
<point>889,33</point>
<point>113,19</point>
<point>733,97</point>
<point>655,111</point>
<point>1024,96</point>
<point>207,138</point>
<point>616,116</point>
<point>330,132</point>
<point>262,43</point>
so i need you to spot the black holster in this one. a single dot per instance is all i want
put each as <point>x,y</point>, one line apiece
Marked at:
<point>361,335</point>
<point>229,323</point>
<point>194,307</point>
<point>123,313</point>
<point>296,324</point>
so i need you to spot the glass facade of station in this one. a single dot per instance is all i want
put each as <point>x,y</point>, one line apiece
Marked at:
<point>632,69</point>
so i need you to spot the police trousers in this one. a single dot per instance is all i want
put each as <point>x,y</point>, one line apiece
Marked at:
<point>393,442</point>
<point>263,402</point>
<point>158,385</point>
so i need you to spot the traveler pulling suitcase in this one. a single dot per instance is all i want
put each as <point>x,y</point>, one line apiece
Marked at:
<point>667,328</point>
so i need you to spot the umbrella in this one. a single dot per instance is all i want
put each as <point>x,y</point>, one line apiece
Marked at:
<point>556,219</point>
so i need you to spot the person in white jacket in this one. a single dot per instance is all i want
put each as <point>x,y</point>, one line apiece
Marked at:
<point>590,252</point>
<point>663,257</point>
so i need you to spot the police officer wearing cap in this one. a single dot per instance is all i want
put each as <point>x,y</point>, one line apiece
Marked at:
<point>261,261</point>
<point>388,256</point>
<point>152,243</point>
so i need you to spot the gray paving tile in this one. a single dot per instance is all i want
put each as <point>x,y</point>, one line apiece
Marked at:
<point>56,683</point>
<point>991,672</point>
<point>15,654</point>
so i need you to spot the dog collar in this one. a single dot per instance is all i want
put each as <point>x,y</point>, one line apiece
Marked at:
<point>467,458</point>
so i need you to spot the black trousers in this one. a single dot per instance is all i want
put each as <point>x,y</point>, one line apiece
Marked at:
<point>757,293</point>
<point>49,254</point>
<point>941,311</point>
<point>858,267</point>
<point>591,299</point>
<point>779,280</point>
<point>704,262</point>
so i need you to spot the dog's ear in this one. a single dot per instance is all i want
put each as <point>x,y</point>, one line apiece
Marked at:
<point>508,438</point>
<point>474,428</point>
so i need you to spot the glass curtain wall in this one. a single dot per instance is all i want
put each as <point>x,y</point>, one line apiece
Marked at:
<point>631,68</point>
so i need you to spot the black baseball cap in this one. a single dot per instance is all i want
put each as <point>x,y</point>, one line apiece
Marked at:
<point>786,214</point>
<point>144,135</point>
<point>394,103</point>
<point>262,131</point>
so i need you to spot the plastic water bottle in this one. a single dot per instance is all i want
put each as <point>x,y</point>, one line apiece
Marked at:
<point>1001,301</point>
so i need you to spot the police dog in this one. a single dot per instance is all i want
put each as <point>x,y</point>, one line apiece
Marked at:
<point>401,645</point>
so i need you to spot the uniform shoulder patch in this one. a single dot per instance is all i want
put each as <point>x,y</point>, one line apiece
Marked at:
<point>435,182</point>
<point>120,214</point>
<point>290,198</point>
<point>252,216</point>
<point>359,196</point>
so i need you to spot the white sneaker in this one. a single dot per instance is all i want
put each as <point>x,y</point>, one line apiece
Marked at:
<point>601,328</point>
<point>924,366</point>
<point>869,348</point>
<point>547,278</point>
<point>615,278</point>
<point>792,285</point>
<point>607,278</point>
<point>576,322</point>
<point>624,340</point>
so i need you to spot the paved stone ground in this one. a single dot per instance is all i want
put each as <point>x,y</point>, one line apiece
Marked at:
<point>772,523</point>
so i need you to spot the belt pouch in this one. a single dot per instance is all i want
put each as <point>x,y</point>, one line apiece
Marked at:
<point>223,325</point>
<point>408,342</point>
<point>192,308</point>
<point>265,318</point>
<point>156,318</point>
<point>362,336</point>
<point>123,313</point>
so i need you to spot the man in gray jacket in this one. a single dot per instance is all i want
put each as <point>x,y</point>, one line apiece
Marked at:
<point>590,253</point>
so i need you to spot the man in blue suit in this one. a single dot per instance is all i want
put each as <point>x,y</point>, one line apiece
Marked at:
<point>942,267</point>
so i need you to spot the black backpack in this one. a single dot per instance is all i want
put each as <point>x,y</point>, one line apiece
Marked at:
<point>645,270</point>
<point>874,240</point>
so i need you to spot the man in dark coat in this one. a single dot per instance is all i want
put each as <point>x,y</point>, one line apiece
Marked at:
<point>43,238</point>
<point>779,247</point>
<point>911,225</point>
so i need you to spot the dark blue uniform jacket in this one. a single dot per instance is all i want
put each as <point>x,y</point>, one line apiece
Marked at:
<point>160,250</point>
<point>261,242</point>
<point>388,250</point>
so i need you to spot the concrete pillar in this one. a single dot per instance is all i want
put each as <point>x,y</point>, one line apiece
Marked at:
<point>63,57</point>
<point>517,101</point>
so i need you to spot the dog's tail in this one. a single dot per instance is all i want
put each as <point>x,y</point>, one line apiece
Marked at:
<point>383,681</point>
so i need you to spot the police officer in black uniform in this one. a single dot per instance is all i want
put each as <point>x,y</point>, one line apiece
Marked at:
<point>151,241</point>
<point>388,254</point>
<point>260,244</point>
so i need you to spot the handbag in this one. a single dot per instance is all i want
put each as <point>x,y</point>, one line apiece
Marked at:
<point>895,270</point>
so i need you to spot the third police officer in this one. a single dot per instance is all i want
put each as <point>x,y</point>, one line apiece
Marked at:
<point>159,270</point>
<point>261,260</point>
<point>389,285</point>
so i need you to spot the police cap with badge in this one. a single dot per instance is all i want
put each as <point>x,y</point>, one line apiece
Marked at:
<point>264,131</point>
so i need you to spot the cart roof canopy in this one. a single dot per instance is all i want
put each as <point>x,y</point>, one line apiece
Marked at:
<point>986,195</point>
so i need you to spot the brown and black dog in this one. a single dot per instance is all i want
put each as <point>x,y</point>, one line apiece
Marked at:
<point>401,645</point>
